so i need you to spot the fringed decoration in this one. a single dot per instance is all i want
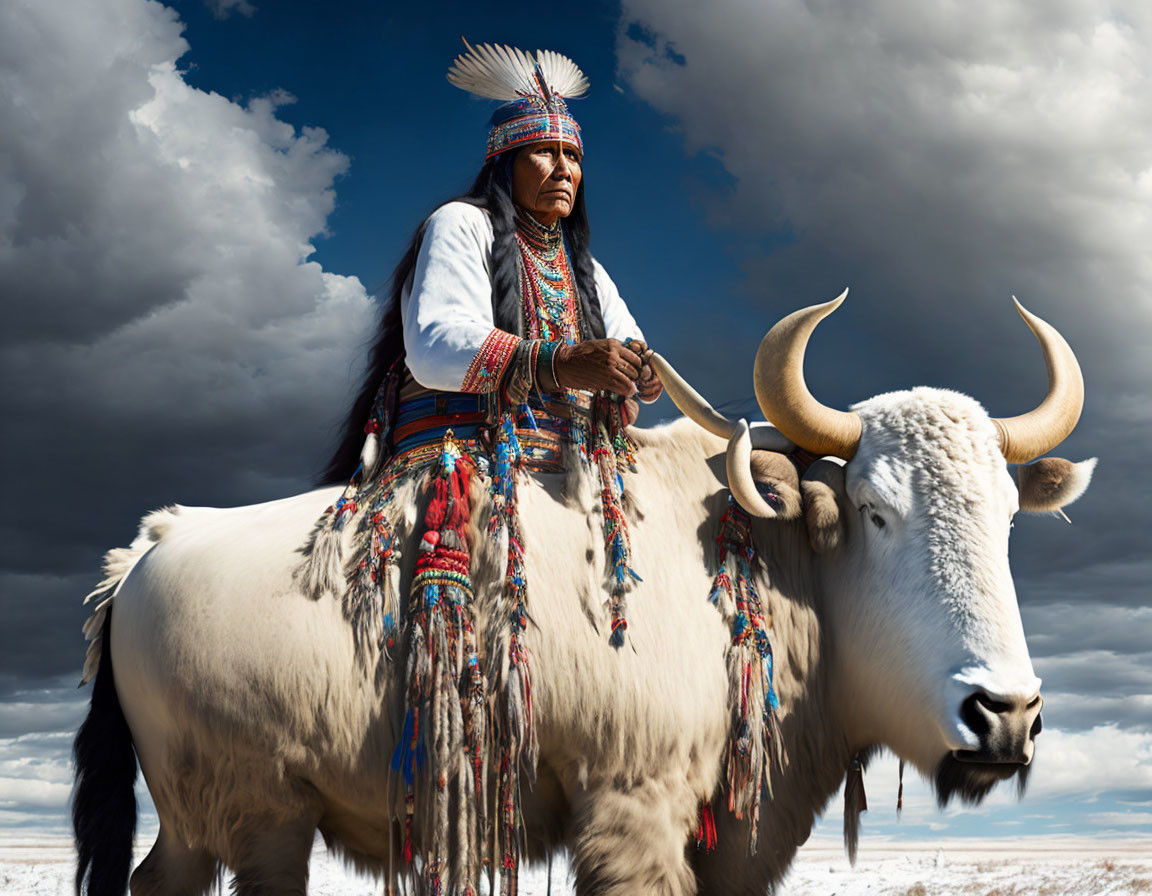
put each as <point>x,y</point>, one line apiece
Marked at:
<point>900,792</point>
<point>322,571</point>
<point>517,731</point>
<point>750,663</point>
<point>706,829</point>
<point>855,802</point>
<point>611,453</point>
<point>372,599</point>
<point>445,717</point>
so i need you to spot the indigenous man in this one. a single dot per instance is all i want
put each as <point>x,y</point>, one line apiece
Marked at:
<point>505,348</point>
<point>497,305</point>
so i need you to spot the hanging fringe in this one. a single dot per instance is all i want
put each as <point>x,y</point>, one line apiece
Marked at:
<point>445,716</point>
<point>517,733</point>
<point>611,453</point>
<point>900,792</point>
<point>706,829</point>
<point>748,772</point>
<point>855,803</point>
<point>322,570</point>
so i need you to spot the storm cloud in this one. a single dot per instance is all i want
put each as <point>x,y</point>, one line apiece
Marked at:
<point>166,337</point>
<point>939,158</point>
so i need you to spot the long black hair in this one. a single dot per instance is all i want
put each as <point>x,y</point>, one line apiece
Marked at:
<point>491,191</point>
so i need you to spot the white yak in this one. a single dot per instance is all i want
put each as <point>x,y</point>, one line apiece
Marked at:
<point>894,624</point>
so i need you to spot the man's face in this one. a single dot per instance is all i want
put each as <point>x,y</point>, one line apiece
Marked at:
<point>545,178</point>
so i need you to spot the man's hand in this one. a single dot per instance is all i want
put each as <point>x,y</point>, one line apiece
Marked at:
<point>648,383</point>
<point>599,364</point>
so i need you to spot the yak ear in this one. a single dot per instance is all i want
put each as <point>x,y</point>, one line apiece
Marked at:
<point>1052,483</point>
<point>779,483</point>
<point>822,488</point>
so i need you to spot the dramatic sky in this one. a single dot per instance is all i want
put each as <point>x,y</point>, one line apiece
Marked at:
<point>197,201</point>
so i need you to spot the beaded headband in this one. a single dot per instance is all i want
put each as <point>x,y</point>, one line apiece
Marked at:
<point>533,88</point>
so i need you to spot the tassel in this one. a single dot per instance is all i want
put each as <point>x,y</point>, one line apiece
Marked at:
<point>517,733</point>
<point>900,792</point>
<point>370,453</point>
<point>754,737</point>
<point>706,831</point>
<point>611,451</point>
<point>855,803</point>
<point>445,690</point>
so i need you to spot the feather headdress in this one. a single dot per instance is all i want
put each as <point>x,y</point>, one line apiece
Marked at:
<point>533,88</point>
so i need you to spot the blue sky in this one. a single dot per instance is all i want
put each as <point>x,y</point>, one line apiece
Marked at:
<point>374,79</point>
<point>196,201</point>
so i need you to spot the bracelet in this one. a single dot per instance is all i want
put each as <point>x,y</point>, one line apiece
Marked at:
<point>545,367</point>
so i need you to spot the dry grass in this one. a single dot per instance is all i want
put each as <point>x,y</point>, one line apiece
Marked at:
<point>1140,885</point>
<point>916,890</point>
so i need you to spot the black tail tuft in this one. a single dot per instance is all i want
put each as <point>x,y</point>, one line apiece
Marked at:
<point>104,797</point>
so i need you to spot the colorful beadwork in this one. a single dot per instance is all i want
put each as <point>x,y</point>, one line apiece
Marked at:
<point>750,662</point>
<point>532,119</point>
<point>445,688</point>
<point>488,365</point>
<point>517,729</point>
<point>467,717</point>
<point>551,303</point>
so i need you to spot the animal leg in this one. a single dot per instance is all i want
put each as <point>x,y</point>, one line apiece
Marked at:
<point>173,869</point>
<point>633,841</point>
<point>272,858</point>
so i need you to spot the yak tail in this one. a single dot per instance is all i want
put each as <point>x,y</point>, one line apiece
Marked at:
<point>104,797</point>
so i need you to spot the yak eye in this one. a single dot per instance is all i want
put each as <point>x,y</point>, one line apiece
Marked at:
<point>877,520</point>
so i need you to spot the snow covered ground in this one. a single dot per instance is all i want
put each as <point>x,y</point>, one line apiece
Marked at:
<point>43,864</point>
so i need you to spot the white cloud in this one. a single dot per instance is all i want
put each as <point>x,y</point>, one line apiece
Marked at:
<point>174,263</point>
<point>938,156</point>
<point>1089,762</point>
<point>1115,819</point>
<point>154,261</point>
<point>1071,769</point>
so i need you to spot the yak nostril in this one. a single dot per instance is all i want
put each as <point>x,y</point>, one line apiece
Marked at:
<point>1034,702</point>
<point>996,707</point>
<point>975,713</point>
<point>1037,727</point>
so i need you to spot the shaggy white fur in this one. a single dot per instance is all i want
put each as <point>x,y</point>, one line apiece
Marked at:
<point>255,721</point>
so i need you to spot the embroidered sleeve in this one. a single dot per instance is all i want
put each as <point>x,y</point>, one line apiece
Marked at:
<point>446,308</point>
<point>488,364</point>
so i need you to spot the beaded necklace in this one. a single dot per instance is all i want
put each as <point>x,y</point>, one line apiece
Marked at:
<point>551,306</point>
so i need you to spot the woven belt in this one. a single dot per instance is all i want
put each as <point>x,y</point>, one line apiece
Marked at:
<point>423,421</point>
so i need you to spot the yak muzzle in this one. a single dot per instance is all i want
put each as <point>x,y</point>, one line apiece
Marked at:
<point>1006,729</point>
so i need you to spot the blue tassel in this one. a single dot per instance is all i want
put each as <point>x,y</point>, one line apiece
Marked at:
<point>772,700</point>
<point>617,639</point>
<point>403,760</point>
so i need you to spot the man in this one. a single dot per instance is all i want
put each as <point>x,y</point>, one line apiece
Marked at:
<point>505,348</point>
<point>497,305</point>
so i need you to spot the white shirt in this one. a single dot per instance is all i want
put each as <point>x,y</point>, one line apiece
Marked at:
<point>447,312</point>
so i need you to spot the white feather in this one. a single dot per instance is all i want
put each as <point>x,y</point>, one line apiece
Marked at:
<point>561,74</point>
<point>506,73</point>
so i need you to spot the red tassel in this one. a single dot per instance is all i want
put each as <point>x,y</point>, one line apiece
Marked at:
<point>706,832</point>
<point>408,839</point>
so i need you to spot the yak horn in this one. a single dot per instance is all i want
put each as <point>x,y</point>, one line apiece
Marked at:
<point>695,407</point>
<point>1025,438</point>
<point>784,397</point>
<point>738,463</point>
